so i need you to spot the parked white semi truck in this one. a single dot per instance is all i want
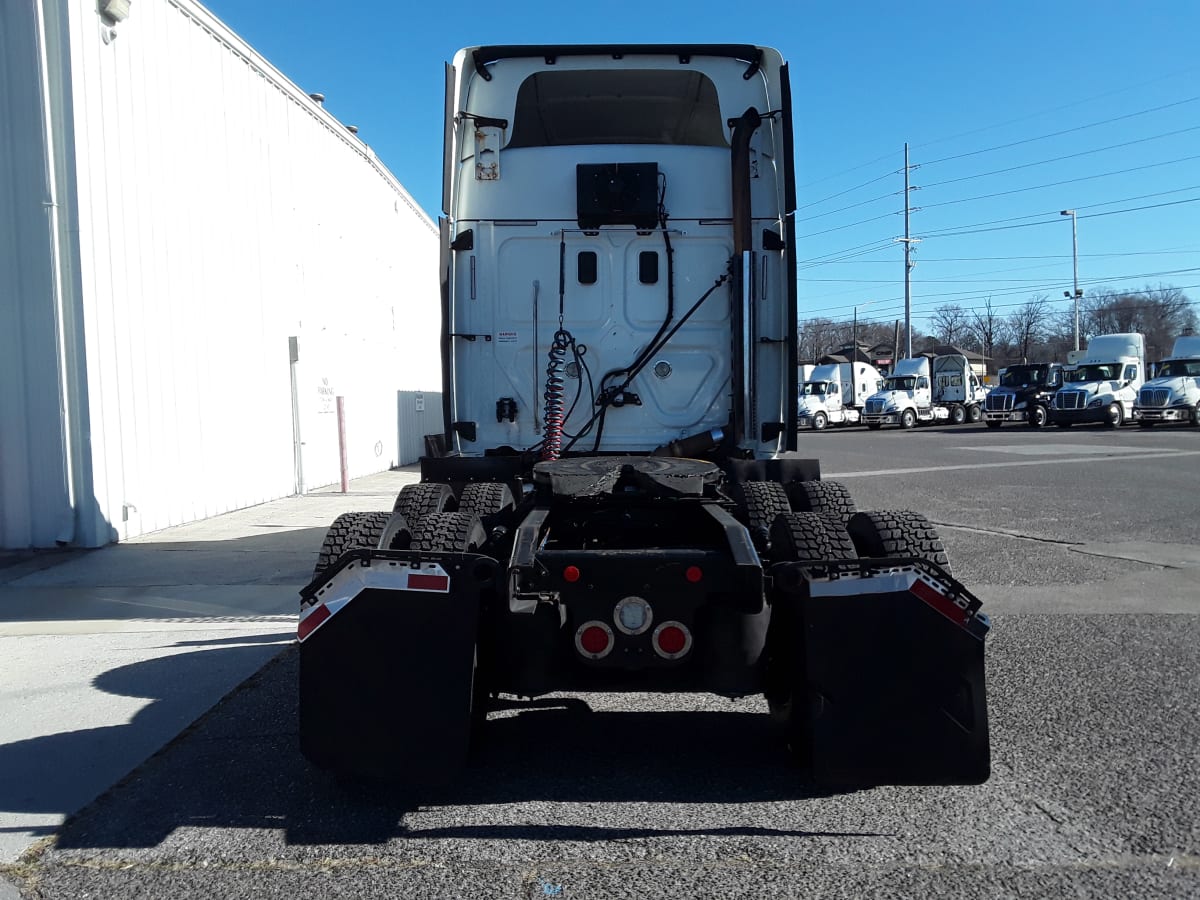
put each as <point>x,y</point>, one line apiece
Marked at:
<point>1104,385</point>
<point>909,397</point>
<point>1173,394</point>
<point>835,393</point>
<point>618,505</point>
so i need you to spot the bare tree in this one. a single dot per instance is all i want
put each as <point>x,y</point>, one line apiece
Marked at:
<point>950,323</point>
<point>988,327</point>
<point>1028,324</point>
<point>818,337</point>
<point>1161,314</point>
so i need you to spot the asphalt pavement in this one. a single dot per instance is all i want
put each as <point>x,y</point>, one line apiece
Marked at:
<point>1082,544</point>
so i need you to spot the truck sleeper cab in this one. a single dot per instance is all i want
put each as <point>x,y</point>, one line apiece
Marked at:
<point>835,394</point>
<point>1173,394</point>
<point>1024,395</point>
<point>617,503</point>
<point>1104,385</point>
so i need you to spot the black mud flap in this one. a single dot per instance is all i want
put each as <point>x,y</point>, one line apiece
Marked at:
<point>388,662</point>
<point>891,668</point>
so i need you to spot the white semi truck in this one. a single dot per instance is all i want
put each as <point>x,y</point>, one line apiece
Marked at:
<point>834,394</point>
<point>617,503</point>
<point>1173,394</point>
<point>909,397</point>
<point>1104,385</point>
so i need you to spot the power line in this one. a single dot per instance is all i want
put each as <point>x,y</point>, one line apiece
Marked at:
<point>888,320</point>
<point>1008,122</point>
<point>854,205</point>
<point>1045,286</point>
<point>1112,212</point>
<point>970,280</point>
<point>1058,256</point>
<point>851,225</point>
<point>847,191</point>
<point>1043,162</point>
<point>1043,137</point>
<point>977,227</point>
<point>1038,187</point>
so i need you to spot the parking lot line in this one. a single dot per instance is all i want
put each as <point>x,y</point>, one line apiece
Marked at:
<point>1110,454</point>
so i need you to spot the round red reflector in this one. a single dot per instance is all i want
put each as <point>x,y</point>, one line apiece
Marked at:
<point>672,639</point>
<point>571,574</point>
<point>594,639</point>
<point>693,574</point>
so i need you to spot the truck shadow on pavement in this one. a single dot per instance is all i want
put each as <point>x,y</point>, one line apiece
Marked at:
<point>50,773</point>
<point>239,766</point>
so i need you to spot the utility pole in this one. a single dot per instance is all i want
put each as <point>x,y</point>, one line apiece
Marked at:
<point>908,240</point>
<point>1075,269</point>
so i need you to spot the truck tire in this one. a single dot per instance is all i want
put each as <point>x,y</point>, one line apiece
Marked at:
<point>908,419</point>
<point>831,498</point>
<point>1115,416</point>
<point>336,539</point>
<point>485,498</point>
<point>369,531</point>
<point>1037,416</point>
<point>415,501</point>
<point>809,535</point>
<point>396,534</point>
<point>796,536</point>
<point>760,503</point>
<point>974,413</point>
<point>958,414</point>
<point>991,424</point>
<point>453,532</point>
<point>897,533</point>
<point>820,420</point>
<point>350,531</point>
<point>1196,415</point>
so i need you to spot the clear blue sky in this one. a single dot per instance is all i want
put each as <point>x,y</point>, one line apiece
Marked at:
<point>1092,106</point>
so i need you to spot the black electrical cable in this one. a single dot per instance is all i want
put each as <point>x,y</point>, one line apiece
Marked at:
<point>605,398</point>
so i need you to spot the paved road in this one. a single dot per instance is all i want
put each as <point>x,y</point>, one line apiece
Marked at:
<point>1082,543</point>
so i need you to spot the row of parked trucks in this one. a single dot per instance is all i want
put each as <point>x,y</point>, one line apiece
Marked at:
<point>1108,385</point>
<point>927,389</point>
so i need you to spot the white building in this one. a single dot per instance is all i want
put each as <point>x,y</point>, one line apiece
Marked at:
<point>175,217</point>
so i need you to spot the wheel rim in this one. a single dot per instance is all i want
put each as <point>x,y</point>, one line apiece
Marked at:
<point>819,421</point>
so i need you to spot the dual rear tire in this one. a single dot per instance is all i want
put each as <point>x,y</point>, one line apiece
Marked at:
<point>824,536</point>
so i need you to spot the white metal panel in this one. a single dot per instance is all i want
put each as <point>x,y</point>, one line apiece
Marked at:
<point>420,413</point>
<point>220,212</point>
<point>34,501</point>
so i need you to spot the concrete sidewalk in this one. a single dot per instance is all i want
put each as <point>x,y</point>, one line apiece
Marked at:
<point>106,655</point>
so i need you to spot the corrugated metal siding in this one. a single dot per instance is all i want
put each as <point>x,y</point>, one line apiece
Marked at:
<point>220,212</point>
<point>34,501</point>
<point>419,414</point>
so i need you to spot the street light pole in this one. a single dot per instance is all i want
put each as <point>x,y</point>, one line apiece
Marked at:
<point>1075,269</point>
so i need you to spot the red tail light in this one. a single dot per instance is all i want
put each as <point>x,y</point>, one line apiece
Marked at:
<point>571,574</point>
<point>594,640</point>
<point>672,640</point>
<point>693,574</point>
